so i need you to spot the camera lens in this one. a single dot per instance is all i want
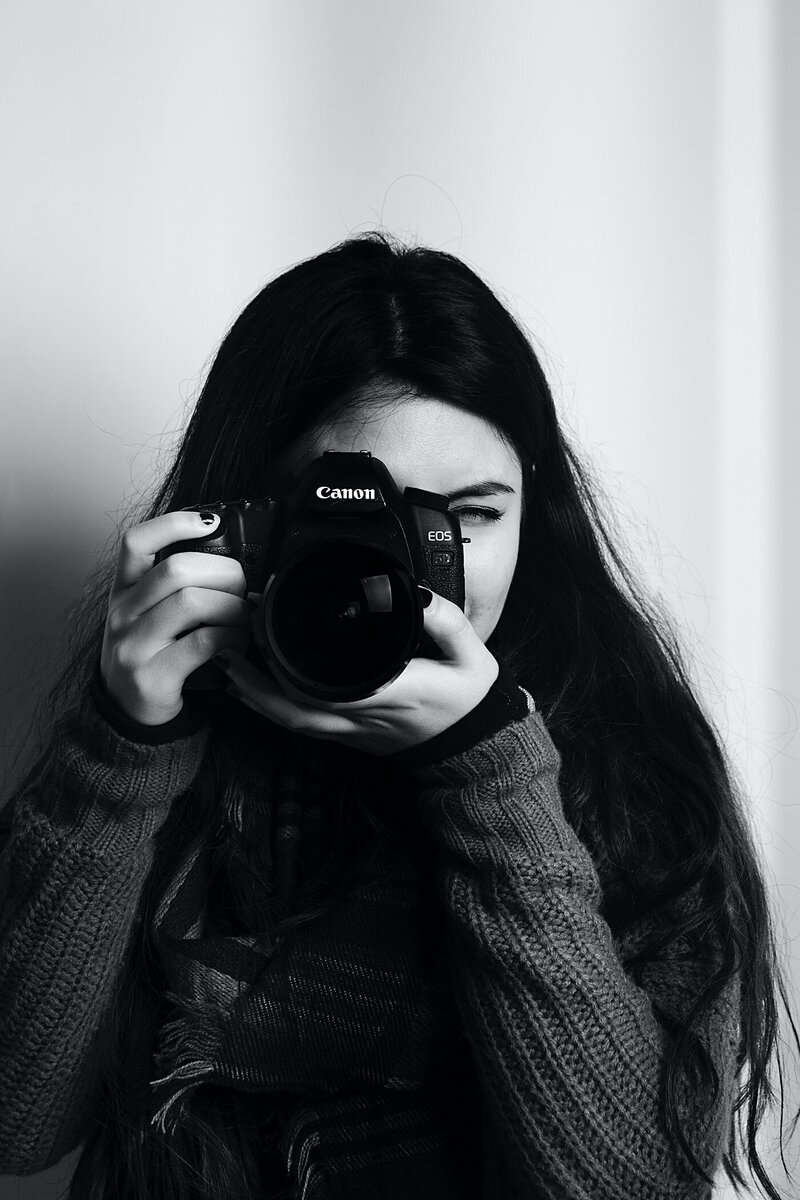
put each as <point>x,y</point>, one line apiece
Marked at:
<point>343,620</point>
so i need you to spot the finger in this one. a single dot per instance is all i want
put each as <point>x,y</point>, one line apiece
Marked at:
<point>140,544</point>
<point>188,609</point>
<point>263,695</point>
<point>181,657</point>
<point>188,569</point>
<point>243,674</point>
<point>450,628</point>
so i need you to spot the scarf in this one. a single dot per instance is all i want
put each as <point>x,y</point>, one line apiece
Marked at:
<point>342,1020</point>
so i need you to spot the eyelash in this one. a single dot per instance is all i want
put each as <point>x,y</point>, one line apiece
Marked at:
<point>484,514</point>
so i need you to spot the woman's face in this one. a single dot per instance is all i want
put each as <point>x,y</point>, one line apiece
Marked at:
<point>430,444</point>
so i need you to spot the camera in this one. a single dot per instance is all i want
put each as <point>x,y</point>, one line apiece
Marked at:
<point>334,566</point>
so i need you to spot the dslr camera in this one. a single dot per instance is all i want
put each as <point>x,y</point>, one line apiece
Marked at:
<point>334,567</point>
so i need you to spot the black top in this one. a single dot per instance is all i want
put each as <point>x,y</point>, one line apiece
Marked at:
<point>504,703</point>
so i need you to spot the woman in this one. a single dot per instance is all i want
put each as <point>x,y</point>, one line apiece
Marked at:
<point>496,930</point>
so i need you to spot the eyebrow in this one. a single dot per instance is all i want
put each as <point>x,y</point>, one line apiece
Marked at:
<point>489,487</point>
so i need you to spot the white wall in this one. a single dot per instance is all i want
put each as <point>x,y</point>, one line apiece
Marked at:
<point>624,172</point>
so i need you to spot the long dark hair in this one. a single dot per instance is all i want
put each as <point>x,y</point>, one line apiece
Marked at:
<point>645,781</point>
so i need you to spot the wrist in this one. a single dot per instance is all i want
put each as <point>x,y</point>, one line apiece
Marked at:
<point>183,724</point>
<point>504,703</point>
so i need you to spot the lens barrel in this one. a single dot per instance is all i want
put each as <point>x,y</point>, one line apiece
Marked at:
<point>341,620</point>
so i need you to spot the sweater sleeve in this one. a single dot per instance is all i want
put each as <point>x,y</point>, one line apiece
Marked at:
<point>78,836</point>
<point>570,1051</point>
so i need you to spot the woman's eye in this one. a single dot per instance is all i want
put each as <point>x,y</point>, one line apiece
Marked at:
<point>477,514</point>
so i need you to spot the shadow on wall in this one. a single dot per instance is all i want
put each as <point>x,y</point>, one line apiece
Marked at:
<point>49,578</point>
<point>33,616</point>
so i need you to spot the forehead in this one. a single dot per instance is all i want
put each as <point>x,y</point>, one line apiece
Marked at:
<point>425,442</point>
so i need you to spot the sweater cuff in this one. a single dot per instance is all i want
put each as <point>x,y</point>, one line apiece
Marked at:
<point>504,703</point>
<point>188,721</point>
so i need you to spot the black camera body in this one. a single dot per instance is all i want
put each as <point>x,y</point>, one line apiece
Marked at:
<point>335,566</point>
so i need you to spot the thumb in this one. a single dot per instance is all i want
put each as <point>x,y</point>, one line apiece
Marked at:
<point>449,627</point>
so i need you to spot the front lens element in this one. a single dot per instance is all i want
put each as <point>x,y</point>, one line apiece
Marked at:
<point>343,617</point>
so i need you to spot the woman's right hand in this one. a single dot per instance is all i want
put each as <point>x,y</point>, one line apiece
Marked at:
<point>166,620</point>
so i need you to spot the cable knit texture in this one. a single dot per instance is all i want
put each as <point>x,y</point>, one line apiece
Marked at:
<point>553,1081</point>
<point>72,872</point>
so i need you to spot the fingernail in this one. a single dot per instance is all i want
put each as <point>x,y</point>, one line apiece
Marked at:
<point>221,662</point>
<point>425,595</point>
<point>209,518</point>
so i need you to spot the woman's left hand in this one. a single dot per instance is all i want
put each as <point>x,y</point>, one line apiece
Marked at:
<point>428,697</point>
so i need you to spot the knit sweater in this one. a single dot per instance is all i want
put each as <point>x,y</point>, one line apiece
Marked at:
<point>560,1083</point>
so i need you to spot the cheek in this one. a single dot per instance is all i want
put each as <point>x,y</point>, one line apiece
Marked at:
<point>488,571</point>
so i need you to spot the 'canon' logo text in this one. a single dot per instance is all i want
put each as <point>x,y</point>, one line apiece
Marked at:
<point>326,493</point>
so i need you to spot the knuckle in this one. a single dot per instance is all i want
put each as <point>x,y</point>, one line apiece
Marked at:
<point>174,570</point>
<point>188,598</point>
<point>128,542</point>
<point>137,684</point>
<point>294,722</point>
<point>125,660</point>
<point>204,640</point>
<point>115,622</point>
